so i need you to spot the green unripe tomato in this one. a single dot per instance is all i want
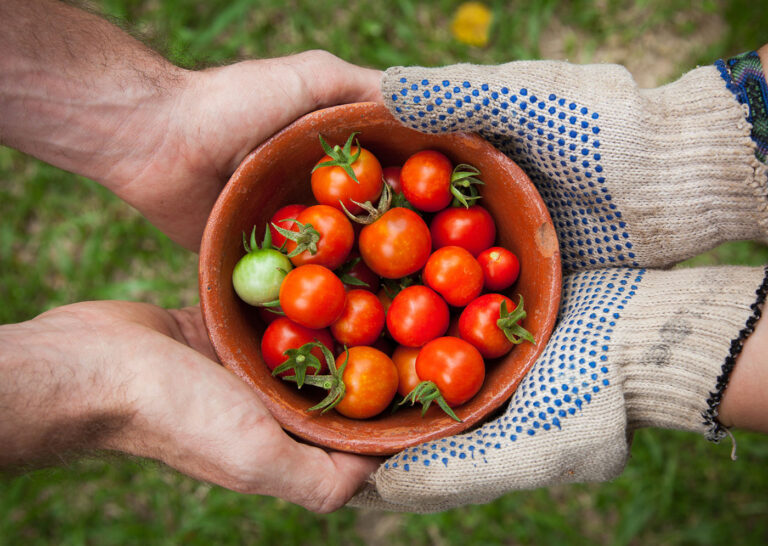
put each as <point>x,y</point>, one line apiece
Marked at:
<point>258,275</point>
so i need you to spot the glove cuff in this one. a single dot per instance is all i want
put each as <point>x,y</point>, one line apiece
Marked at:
<point>679,347</point>
<point>745,78</point>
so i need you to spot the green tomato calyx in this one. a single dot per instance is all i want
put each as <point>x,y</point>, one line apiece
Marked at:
<point>299,360</point>
<point>463,185</point>
<point>332,382</point>
<point>306,238</point>
<point>254,246</point>
<point>508,323</point>
<point>341,157</point>
<point>373,213</point>
<point>425,393</point>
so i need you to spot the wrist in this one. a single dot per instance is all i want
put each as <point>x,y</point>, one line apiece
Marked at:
<point>58,394</point>
<point>82,100</point>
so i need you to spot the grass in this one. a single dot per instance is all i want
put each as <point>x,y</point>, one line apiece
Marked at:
<point>65,239</point>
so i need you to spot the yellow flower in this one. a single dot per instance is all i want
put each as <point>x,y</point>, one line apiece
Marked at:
<point>471,23</point>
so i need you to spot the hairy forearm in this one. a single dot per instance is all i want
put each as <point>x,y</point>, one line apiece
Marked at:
<point>52,403</point>
<point>75,90</point>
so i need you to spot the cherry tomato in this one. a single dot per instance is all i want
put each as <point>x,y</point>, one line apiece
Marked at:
<point>397,244</point>
<point>426,180</point>
<point>472,229</point>
<point>405,362</point>
<point>392,178</point>
<point>478,324</point>
<point>336,237</point>
<point>454,274</point>
<point>370,378</point>
<point>284,334</point>
<point>312,296</point>
<point>500,268</point>
<point>258,275</point>
<point>417,315</point>
<point>288,211</point>
<point>362,320</point>
<point>333,186</point>
<point>454,365</point>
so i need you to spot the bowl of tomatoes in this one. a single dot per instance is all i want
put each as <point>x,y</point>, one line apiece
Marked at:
<point>371,306</point>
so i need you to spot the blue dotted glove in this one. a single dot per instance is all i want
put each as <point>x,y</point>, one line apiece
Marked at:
<point>634,179</point>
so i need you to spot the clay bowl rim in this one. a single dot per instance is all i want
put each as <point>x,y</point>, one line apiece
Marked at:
<point>332,430</point>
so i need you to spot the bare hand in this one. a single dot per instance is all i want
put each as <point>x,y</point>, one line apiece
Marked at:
<point>219,116</point>
<point>144,379</point>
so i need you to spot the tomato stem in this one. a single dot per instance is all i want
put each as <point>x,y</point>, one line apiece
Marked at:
<point>341,157</point>
<point>374,213</point>
<point>425,393</point>
<point>463,182</point>
<point>333,382</point>
<point>508,323</point>
<point>253,245</point>
<point>299,360</point>
<point>306,238</point>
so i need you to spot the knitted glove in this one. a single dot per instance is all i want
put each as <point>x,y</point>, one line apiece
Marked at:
<point>633,348</point>
<point>639,178</point>
<point>634,177</point>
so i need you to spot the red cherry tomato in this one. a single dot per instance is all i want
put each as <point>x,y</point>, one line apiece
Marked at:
<point>312,296</point>
<point>392,178</point>
<point>288,211</point>
<point>397,244</point>
<point>472,229</point>
<point>332,185</point>
<point>454,365</point>
<point>284,334</point>
<point>370,378</point>
<point>417,315</point>
<point>454,274</point>
<point>478,324</point>
<point>336,237</point>
<point>362,320</point>
<point>500,268</point>
<point>426,180</point>
<point>405,362</point>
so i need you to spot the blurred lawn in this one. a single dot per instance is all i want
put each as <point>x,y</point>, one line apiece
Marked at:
<point>64,239</point>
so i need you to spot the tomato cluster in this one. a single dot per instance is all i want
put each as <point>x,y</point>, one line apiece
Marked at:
<point>422,275</point>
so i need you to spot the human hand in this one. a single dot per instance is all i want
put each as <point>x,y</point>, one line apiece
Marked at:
<point>141,380</point>
<point>635,178</point>
<point>632,177</point>
<point>95,101</point>
<point>217,117</point>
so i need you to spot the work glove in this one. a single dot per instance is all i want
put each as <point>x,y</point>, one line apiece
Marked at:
<point>635,181</point>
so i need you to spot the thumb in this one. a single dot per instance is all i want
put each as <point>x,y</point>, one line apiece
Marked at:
<point>328,80</point>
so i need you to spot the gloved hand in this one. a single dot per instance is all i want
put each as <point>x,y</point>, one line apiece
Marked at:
<point>633,178</point>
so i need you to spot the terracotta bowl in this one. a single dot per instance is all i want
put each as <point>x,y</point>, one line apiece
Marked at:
<point>277,173</point>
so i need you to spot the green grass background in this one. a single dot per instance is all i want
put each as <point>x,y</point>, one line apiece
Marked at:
<point>64,239</point>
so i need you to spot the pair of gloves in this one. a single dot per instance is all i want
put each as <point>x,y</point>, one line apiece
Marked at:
<point>636,180</point>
